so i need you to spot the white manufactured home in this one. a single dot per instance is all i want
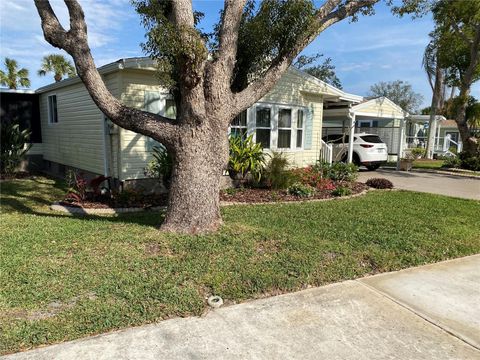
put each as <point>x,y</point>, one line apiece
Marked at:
<point>77,135</point>
<point>292,118</point>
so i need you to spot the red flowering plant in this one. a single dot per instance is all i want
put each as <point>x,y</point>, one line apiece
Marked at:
<point>312,177</point>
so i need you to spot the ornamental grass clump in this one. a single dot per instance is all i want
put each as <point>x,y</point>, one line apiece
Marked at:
<point>379,183</point>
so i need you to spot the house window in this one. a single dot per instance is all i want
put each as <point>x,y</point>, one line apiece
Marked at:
<point>170,109</point>
<point>300,122</point>
<point>284,128</point>
<point>263,126</point>
<point>52,109</point>
<point>367,123</point>
<point>238,127</point>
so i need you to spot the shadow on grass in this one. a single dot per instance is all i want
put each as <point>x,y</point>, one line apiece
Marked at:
<point>17,197</point>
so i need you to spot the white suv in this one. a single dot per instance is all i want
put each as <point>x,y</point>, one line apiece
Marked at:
<point>368,149</point>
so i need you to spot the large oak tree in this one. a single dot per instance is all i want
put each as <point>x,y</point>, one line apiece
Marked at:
<point>254,44</point>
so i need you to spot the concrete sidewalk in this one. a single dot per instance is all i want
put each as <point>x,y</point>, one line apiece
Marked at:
<point>442,184</point>
<point>430,312</point>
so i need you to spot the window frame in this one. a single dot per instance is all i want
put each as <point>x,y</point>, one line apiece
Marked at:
<point>278,128</point>
<point>49,109</point>
<point>271,127</point>
<point>240,127</point>
<point>302,129</point>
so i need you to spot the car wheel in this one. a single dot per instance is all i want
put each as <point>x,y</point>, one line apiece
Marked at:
<point>373,167</point>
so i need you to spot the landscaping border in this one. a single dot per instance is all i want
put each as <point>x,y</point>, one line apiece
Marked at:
<point>75,210</point>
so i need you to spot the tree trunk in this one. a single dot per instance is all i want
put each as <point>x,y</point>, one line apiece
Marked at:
<point>199,160</point>
<point>469,142</point>
<point>437,98</point>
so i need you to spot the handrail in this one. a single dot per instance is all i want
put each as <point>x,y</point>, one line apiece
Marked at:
<point>326,152</point>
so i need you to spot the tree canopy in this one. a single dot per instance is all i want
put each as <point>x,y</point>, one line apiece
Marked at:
<point>400,92</point>
<point>324,71</point>
<point>58,65</point>
<point>14,77</point>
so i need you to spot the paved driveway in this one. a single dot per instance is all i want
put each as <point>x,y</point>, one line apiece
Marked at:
<point>430,312</point>
<point>443,184</point>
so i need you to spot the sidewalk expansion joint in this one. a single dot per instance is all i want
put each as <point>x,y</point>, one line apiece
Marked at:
<point>420,315</point>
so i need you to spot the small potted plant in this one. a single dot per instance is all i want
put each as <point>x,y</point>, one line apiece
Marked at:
<point>406,162</point>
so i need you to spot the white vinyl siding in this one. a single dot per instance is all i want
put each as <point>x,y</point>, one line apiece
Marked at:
<point>77,140</point>
<point>136,148</point>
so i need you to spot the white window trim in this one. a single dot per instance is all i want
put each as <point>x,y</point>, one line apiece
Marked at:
<point>49,113</point>
<point>284,128</point>
<point>301,128</point>
<point>274,128</point>
<point>272,124</point>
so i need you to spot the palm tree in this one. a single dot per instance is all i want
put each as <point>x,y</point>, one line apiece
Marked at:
<point>58,65</point>
<point>14,76</point>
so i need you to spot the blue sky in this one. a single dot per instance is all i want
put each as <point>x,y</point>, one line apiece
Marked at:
<point>376,48</point>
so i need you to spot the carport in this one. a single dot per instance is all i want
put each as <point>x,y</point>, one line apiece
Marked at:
<point>379,116</point>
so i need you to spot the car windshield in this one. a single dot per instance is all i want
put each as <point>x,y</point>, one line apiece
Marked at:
<point>372,139</point>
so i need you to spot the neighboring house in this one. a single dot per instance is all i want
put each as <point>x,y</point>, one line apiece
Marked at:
<point>77,135</point>
<point>447,136</point>
<point>22,107</point>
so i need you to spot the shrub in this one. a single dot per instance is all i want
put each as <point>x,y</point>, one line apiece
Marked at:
<point>301,190</point>
<point>160,166</point>
<point>469,161</point>
<point>13,146</point>
<point>307,176</point>
<point>451,162</point>
<point>276,172</point>
<point>341,172</point>
<point>418,153</point>
<point>246,157</point>
<point>77,187</point>
<point>379,183</point>
<point>342,191</point>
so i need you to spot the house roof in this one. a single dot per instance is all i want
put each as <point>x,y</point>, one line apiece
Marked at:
<point>17,91</point>
<point>448,124</point>
<point>146,63</point>
<point>376,102</point>
<point>424,118</point>
<point>143,63</point>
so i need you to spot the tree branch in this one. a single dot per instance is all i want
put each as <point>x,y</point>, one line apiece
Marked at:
<point>326,16</point>
<point>228,36</point>
<point>75,43</point>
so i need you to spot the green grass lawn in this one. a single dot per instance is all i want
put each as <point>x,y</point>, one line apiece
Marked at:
<point>64,277</point>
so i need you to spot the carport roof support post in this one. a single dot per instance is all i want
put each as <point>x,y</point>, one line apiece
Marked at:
<point>352,118</point>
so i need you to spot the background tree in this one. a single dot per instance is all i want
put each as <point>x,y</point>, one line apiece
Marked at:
<point>436,79</point>
<point>13,76</point>
<point>400,92</point>
<point>324,71</point>
<point>457,24</point>
<point>58,65</point>
<point>253,47</point>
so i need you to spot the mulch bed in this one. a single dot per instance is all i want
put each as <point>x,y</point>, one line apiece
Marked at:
<point>242,195</point>
<point>146,202</point>
<point>248,195</point>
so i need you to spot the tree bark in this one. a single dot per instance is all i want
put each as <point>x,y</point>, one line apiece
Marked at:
<point>436,100</point>
<point>199,160</point>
